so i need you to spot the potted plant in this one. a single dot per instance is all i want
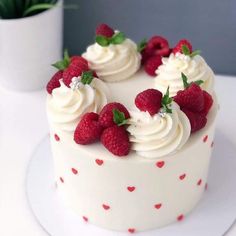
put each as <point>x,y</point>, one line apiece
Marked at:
<point>30,39</point>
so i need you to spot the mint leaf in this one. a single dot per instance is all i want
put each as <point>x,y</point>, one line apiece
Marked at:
<point>60,65</point>
<point>185,50</point>
<point>195,53</point>
<point>102,41</point>
<point>185,80</point>
<point>198,82</point>
<point>119,117</point>
<point>142,45</point>
<point>166,101</point>
<point>66,57</point>
<point>87,77</point>
<point>118,38</point>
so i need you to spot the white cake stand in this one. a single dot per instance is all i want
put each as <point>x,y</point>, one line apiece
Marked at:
<point>212,217</point>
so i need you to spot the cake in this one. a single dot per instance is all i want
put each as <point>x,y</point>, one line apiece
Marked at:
<point>132,130</point>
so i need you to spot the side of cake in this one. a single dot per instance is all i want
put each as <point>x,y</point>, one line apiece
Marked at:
<point>132,152</point>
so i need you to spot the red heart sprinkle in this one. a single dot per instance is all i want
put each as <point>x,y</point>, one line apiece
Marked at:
<point>199,182</point>
<point>205,138</point>
<point>106,207</point>
<point>85,218</point>
<point>131,188</point>
<point>99,162</point>
<point>56,137</point>
<point>180,217</point>
<point>158,206</point>
<point>61,179</point>
<point>131,230</point>
<point>160,164</point>
<point>74,171</point>
<point>181,177</point>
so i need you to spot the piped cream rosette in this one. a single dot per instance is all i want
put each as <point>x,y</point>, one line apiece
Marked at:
<point>158,135</point>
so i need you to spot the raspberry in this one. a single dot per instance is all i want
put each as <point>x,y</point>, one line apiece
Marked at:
<point>106,114</point>
<point>178,47</point>
<point>149,100</point>
<point>104,30</point>
<point>88,130</point>
<point>208,101</point>
<point>191,98</point>
<point>116,140</point>
<point>146,54</point>
<point>54,82</point>
<point>78,60</point>
<point>70,72</point>
<point>158,45</point>
<point>197,120</point>
<point>152,64</point>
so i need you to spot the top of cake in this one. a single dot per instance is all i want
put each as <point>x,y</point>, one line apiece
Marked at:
<point>106,96</point>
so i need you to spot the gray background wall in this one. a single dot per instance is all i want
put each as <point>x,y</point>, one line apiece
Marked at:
<point>210,25</point>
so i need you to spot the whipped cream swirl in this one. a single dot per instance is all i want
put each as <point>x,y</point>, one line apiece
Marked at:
<point>114,62</point>
<point>169,73</point>
<point>158,135</point>
<point>66,105</point>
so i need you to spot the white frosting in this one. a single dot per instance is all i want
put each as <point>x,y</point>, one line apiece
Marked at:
<point>114,62</point>
<point>66,105</point>
<point>169,73</point>
<point>158,135</point>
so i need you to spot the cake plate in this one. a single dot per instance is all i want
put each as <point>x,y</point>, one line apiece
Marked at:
<point>213,216</point>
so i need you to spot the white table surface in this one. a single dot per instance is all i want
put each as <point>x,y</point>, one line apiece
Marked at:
<point>23,124</point>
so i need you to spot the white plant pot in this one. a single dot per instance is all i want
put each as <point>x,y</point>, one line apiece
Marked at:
<point>28,47</point>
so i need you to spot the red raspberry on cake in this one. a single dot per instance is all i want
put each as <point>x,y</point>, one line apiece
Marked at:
<point>116,140</point>
<point>208,102</point>
<point>192,97</point>
<point>152,64</point>
<point>197,120</point>
<point>104,30</point>
<point>149,100</point>
<point>88,130</point>
<point>79,61</point>
<point>159,46</point>
<point>70,72</point>
<point>106,116</point>
<point>55,81</point>
<point>180,44</point>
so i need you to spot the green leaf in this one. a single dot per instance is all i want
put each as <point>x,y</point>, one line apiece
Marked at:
<point>118,38</point>
<point>119,117</point>
<point>199,82</point>
<point>37,7</point>
<point>185,50</point>
<point>87,77</point>
<point>60,65</point>
<point>195,53</point>
<point>66,58</point>
<point>102,41</point>
<point>166,101</point>
<point>185,80</point>
<point>142,45</point>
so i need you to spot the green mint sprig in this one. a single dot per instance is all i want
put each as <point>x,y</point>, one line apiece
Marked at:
<point>119,117</point>
<point>186,51</point>
<point>87,77</point>
<point>63,64</point>
<point>117,38</point>
<point>166,101</point>
<point>185,81</point>
<point>142,45</point>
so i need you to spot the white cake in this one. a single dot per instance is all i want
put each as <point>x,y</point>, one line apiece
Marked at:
<point>147,188</point>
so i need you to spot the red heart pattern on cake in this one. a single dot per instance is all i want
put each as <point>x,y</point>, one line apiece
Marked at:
<point>106,207</point>
<point>205,138</point>
<point>99,162</point>
<point>131,230</point>
<point>160,164</point>
<point>74,171</point>
<point>199,182</point>
<point>181,177</point>
<point>158,206</point>
<point>57,138</point>
<point>61,179</point>
<point>131,188</point>
<point>85,218</point>
<point>180,217</point>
